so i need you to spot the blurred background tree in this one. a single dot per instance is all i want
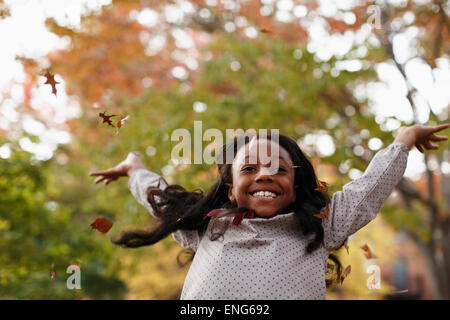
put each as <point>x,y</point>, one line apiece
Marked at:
<point>38,242</point>
<point>230,64</point>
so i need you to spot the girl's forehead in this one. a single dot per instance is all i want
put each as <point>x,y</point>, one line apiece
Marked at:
<point>261,150</point>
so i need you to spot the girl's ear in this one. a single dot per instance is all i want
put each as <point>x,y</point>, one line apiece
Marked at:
<point>230,192</point>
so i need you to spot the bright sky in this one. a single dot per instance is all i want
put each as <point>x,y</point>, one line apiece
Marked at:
<point>24,34</point>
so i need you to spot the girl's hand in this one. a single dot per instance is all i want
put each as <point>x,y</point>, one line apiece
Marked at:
<point>125,168</point>
<point>421,136</point>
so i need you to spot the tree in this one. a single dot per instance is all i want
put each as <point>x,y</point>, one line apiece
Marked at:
<point>250,71</point>
<point>38,242</point>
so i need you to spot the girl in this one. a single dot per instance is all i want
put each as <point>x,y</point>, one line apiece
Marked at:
<point>260,233</point>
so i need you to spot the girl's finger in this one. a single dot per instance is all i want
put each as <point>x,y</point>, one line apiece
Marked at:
<point>98,173</point>
<point>419,147</point>
<point>110,180</point>
<point>435,137</point>
<point>99,179</point>
<point>430,145</point>
<point>103,172</point>
<point>440,127</point>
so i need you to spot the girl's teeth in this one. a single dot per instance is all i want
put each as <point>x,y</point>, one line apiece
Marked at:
<point>265,194</point>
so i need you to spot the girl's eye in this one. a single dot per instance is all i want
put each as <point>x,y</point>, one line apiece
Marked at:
<point>274,171</point>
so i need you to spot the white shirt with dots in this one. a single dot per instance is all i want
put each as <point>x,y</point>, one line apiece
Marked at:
<point>266,258</point>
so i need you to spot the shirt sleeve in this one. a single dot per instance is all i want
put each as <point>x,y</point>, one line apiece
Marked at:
<point>140,180</point>
<point>360,200</point>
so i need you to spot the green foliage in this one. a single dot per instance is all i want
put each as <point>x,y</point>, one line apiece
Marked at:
<point>38,234</point>
<point>263,83</point>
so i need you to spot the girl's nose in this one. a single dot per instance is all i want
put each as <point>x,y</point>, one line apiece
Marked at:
<point>265,172</point>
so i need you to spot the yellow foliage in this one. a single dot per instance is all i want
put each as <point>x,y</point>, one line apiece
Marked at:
<point>156,276</point>
<point>380,238</point>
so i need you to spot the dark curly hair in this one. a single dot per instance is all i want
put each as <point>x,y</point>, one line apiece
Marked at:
<point>178,209</point>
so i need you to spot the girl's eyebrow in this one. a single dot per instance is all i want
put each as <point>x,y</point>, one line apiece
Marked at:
<point>281,157</point>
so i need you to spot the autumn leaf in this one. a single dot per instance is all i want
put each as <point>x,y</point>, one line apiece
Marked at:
<point>263,30</point>
<point>52,272</point>
<point>367,252</point>
<point>121,122</point>
<point>184,257</point>
<point>223,88</point>
<point>106,118</point>
<point>323,215</point>
<point>323,186</point>
<point>346,272</point>
<point>51,81</point>
<point>102,225</point>
<point>402,291</point>
<point>346,245</point>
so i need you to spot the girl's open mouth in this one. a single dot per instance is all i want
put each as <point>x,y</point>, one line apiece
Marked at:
<point>267,195</point>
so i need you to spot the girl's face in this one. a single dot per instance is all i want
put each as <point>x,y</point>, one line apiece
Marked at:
<point>262,180</point>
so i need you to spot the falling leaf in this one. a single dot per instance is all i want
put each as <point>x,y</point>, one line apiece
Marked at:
<point>367,252</point>
<point>402,291</point>
<point>323,215</point>
<point>184,257</point>
<point>51,81</point>
<point>52,272</point>
<point>121,122</point>
<point>106,118</point>
<point>102,225</point>
<point>346,272</point>
<point>346,245</point>
<point>323,186</point>
<point>265,31</point>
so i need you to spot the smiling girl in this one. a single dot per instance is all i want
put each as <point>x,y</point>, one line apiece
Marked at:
<point>257,233</point>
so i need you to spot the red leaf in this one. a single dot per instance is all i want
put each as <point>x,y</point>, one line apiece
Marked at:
<point>367,252</point>
<point>323,215</point>
<point>121,122</point>
<point>51,81</point>
<point>346,272</point>
<point>106,119</point>
<point>265,30</point>
<point>323,186</point>
<point>346,246</point>
<point>102,225</point>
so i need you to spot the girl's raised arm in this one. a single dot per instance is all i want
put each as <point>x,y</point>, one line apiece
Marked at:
<point>360,200</point>
<point>123,169</point>
<point>140,178</point>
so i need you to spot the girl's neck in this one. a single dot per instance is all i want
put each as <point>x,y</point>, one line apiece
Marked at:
<point>287,210</point>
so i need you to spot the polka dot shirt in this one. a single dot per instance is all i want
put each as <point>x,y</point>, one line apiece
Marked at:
<point>265,258</point>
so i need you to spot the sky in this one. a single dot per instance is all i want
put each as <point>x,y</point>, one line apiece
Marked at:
<point>24,34</point>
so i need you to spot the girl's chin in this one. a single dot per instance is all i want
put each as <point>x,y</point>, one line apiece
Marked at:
<point>264,214</point>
